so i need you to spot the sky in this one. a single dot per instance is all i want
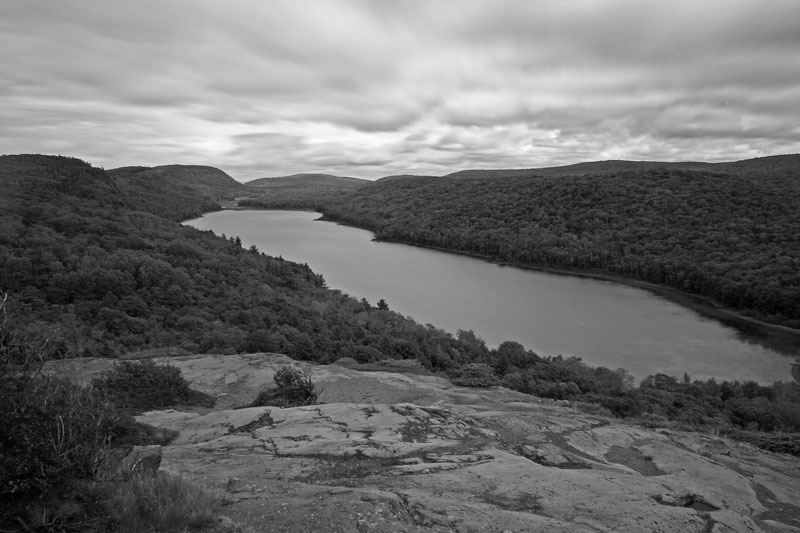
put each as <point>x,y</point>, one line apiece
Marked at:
<point>370,88</point>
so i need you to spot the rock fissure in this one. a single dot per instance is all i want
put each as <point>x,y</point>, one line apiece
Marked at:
<point>264,420</point>
<point>692,501</point>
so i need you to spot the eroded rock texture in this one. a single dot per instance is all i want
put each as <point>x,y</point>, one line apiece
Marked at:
<point>390,452</point>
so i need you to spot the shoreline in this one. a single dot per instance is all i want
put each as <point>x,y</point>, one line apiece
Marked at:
<point>698,303</point>
<point>782,339</point>
<point>777,337</point>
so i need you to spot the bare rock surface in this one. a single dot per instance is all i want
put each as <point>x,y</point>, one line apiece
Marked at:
<point>390,452</point>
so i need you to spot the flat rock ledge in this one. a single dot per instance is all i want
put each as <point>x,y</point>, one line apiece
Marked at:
<point>391,452</point>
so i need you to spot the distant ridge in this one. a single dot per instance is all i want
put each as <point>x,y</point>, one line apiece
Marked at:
<point>777,162</point>
<point>306,180</point>
<point>209,181</point>
<point>410,177</point>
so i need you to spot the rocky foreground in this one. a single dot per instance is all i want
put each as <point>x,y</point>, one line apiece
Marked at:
<point>389,452</point>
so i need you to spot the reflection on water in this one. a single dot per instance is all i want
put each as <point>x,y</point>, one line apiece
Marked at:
<point>605,323</point>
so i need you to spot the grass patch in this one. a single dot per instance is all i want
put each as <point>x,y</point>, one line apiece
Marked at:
<point>164,502</point>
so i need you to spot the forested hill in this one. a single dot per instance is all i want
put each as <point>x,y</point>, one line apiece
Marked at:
<point>175,191</point>
<point>731,234</point>
<point>762,164</point>
<point>90,267</point>
<point>299,191</point>
<point>300,181</point>
<point>94,263</point>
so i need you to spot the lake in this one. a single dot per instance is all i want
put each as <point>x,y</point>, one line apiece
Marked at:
<point>605,323</point>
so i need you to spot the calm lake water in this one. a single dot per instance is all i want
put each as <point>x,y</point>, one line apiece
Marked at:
<point>606,324</point>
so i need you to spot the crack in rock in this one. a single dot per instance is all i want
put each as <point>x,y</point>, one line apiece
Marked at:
<point>262,421</point>
<point>698,502</point>
<point>551,455</point>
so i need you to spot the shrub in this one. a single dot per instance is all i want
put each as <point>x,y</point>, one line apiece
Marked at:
<point>515,380</point>
<point>366,354</point>
<point>556,390</point>
<point>144,385</point>
<point>54,432</point>
<point>56,437</point>
<point>294,388</point>
<point>476,375</point>
<point>406,366</point>
<point>163,502</point>
<point>347,362</point>
<point>781,442</point>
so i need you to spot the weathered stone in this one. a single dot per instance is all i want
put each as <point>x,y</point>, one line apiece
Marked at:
<point>391,452</point>
<point>551,455</point>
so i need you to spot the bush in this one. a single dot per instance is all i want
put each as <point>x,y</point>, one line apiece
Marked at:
<point>476,375</point>
<point>781,442</point>
<point>404,366</point>
<point>54,432</point>
<point>294,388</point>
<point>515,379</point>
<point>58,438</point>
<point>556,390</point>
<point>347,362</point>
<point>163,502</point>
<point>144,385</point>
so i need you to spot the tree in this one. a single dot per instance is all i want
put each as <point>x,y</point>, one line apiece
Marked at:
<point>382,305</point>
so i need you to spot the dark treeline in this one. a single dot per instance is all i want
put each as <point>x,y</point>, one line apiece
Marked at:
<point>297,192</point>
<point>300,199</point>
<point>95,264</point>
<point>733,238</point>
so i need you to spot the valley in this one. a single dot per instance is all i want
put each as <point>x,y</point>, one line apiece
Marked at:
<point>96,266</point>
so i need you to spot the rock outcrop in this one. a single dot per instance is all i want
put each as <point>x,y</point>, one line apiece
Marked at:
<point>391,452</point>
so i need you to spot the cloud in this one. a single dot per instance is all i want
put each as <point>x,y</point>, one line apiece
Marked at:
<point>365,88</point>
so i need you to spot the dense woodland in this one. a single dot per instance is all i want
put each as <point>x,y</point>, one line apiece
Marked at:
<point>733,236</point>
<point>87,262</point>
<point>298,191</point>
<point>95,264</point>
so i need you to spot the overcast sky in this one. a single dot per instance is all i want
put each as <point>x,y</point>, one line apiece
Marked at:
<point>372,88</point>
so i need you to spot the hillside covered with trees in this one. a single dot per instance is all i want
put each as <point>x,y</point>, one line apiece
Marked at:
<point>297,191</point>
<point>94,263</point>
<point>729,232</point>
<point>97,263</point>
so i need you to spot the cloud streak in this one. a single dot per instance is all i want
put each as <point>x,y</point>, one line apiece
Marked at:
<point>368,89</point>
